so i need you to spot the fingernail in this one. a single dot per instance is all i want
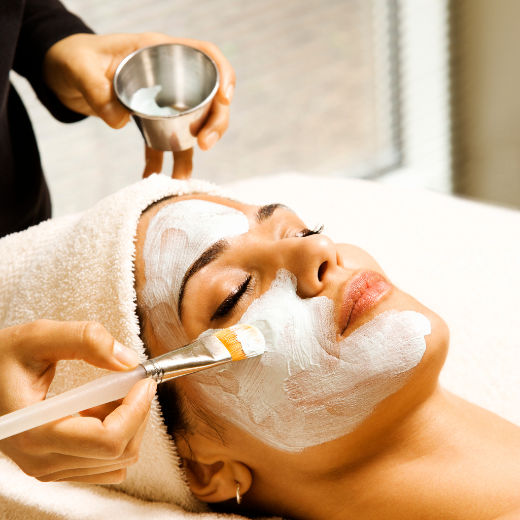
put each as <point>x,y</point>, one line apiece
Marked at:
<point>125,355</point>
<point>229,92</point>
<point>212,139</point>
<point>152,389</point>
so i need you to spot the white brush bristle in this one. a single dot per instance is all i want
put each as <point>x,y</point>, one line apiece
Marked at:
<point>252,340</point>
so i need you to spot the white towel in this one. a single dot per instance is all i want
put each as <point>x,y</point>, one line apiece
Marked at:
<point>25,498</point>
<point>80,267</point>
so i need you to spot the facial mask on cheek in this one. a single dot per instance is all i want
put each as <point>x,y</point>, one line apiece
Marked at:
<point>176,237</point>
<point>307,388</point>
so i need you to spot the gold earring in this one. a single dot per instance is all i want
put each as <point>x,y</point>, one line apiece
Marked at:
<point>239,496</point>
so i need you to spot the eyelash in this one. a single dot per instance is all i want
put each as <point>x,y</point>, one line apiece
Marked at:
<point>227,306</point>
<point>231,301</point>
<point>308,232</point>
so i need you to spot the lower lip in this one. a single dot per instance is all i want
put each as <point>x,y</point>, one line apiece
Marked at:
<point>369,299</point>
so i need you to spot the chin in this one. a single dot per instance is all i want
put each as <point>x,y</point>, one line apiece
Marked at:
<point>426,374</point>
<point>437,342</point>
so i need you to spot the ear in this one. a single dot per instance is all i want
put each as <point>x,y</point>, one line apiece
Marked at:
<point>213,473</point>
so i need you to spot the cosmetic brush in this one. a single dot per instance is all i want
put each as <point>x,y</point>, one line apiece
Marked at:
<point>225,346</point>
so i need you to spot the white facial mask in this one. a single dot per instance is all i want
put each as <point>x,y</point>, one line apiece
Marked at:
<point>307,388</point>
<point>175,239</point>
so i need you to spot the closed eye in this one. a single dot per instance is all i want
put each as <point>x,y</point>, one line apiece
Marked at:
<point>227,306</point>
<point>308,232</point>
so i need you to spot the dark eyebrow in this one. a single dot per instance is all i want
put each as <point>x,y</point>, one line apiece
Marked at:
<point>211,254</point>
<point>266,211</point>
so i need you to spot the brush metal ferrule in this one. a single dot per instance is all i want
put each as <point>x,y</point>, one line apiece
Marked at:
<point>207,352</point>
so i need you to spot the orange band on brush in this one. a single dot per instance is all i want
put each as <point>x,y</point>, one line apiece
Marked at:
<point>230,341</point>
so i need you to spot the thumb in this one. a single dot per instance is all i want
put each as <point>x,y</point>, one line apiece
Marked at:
<point>49,341</point>
<point>99,94</point>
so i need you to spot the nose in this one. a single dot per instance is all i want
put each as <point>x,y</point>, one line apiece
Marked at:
<point>311,259</point>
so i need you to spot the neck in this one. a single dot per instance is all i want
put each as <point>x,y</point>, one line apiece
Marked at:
<point>447,458</point>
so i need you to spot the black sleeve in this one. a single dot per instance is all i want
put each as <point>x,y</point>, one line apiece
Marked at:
<point>44,23</point>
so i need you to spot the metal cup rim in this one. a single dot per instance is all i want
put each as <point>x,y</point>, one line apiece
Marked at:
<point>208,99</point>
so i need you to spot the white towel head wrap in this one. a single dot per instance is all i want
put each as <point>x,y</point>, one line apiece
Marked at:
<point>80,267</point>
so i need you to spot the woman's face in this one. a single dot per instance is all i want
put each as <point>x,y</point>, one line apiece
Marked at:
<point>219,293</point>
<point>242,267</point>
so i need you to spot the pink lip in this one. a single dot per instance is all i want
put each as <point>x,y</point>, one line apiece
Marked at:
<point>363,292</point>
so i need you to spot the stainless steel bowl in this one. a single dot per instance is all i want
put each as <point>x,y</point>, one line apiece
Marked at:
<point>190,80</point>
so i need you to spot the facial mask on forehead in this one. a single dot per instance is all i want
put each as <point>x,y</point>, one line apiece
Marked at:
<point>308,388</point>
<point>176,237</point>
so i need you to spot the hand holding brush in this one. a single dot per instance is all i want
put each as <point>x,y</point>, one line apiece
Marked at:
<point>96,447</point>
<point>228,345</point>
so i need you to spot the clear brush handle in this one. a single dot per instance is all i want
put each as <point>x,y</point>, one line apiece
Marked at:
<point>100,391</point>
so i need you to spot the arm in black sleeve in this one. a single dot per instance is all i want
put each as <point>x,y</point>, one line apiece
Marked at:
<point>45,22</point>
